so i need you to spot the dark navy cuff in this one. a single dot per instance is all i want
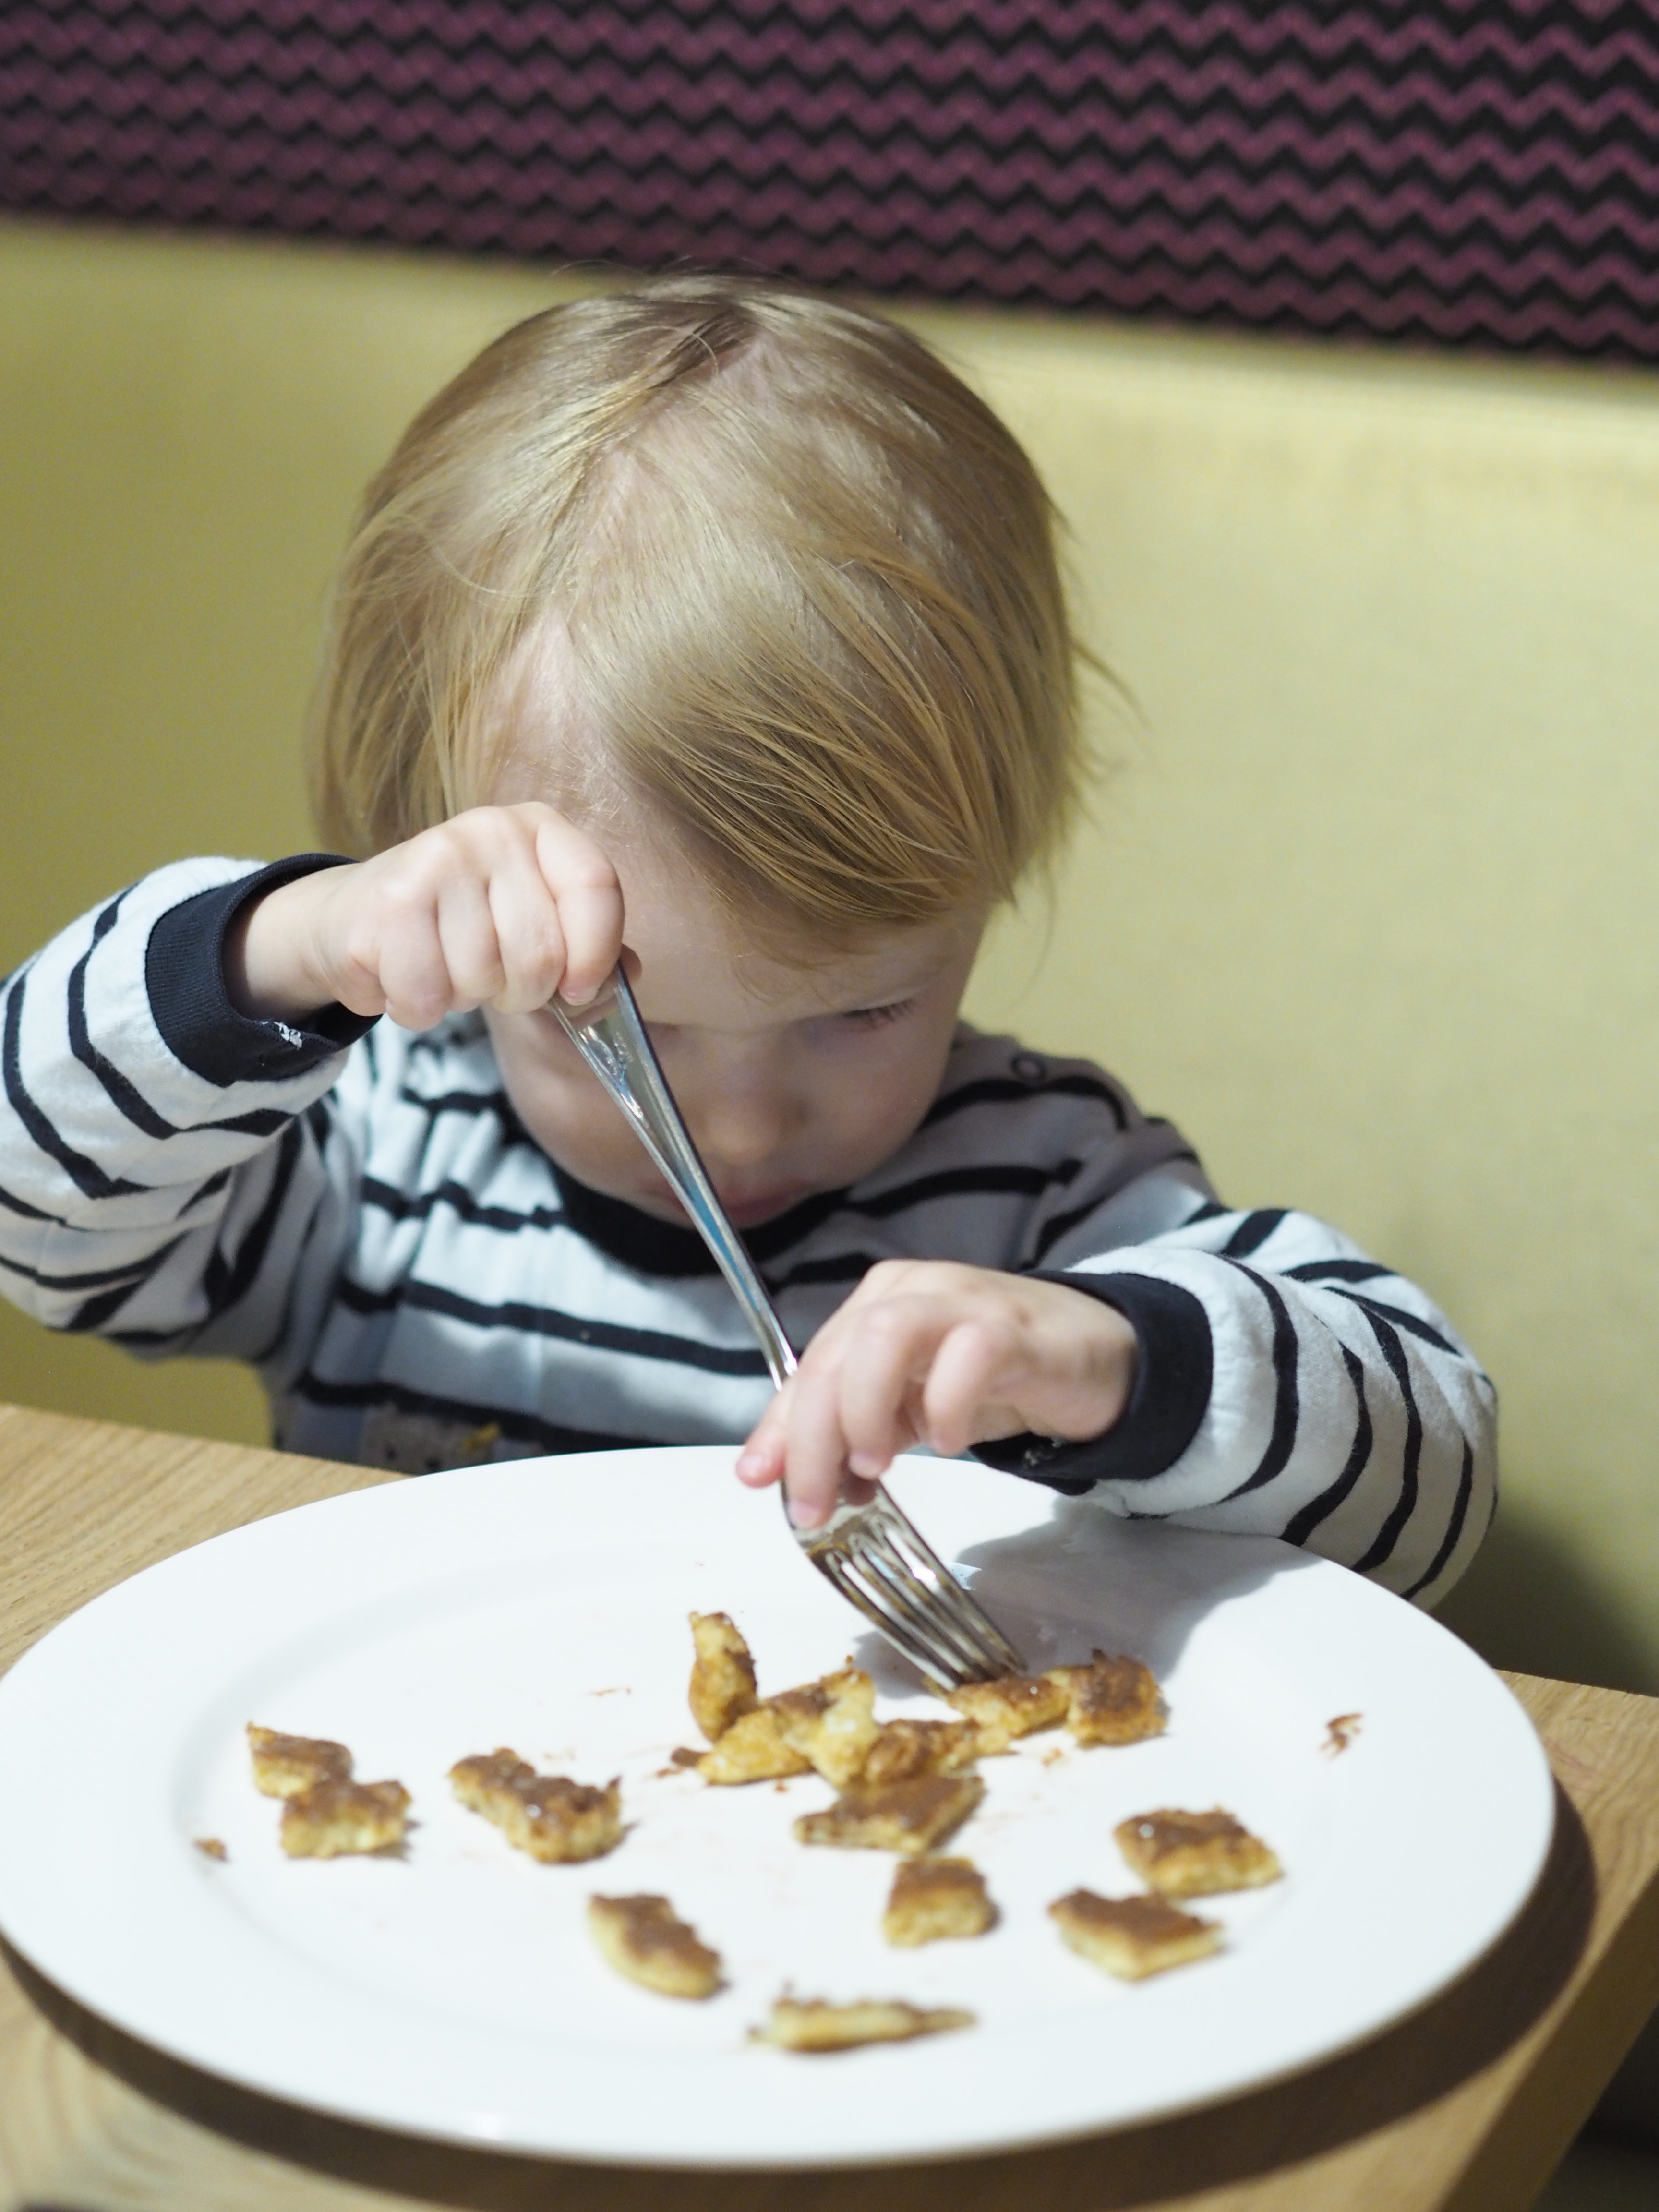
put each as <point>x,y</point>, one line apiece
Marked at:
<point>1174,1364</point>
<point>185,973</point>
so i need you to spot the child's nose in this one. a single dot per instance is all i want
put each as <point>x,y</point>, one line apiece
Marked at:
<point>745,1111</point>
<point>742,1128</point>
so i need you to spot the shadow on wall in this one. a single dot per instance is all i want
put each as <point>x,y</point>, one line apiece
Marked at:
<point>1530,1604</point>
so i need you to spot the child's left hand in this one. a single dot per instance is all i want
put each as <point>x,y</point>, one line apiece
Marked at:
<point>926,1352</point>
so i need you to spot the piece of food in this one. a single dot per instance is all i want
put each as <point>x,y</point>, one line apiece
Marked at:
<point>831,1723</point>
<point>753,1749</point>
<point>722,1675</point>
<point>555,1819</point>
<point>1133,1937</point>
<point>284,1766</point>
<point>1014,1705</point>
<point>932,1899</point>
<point>335,1819</point>
<point>903,1748</point>
<point>908,1817</point>
<point>212,1847</point>
<point>809,2024</point>
<point>1341,1732</point>
<point>643,1939</point>
<point>1195,1854</point>
<point>1111,1700</point>
<point>828,1725</point>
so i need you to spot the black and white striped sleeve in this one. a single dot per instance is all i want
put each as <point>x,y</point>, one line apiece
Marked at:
<point>1288,1386</point>
<point>170,1173</point>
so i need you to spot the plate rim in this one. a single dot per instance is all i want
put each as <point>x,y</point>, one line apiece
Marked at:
<point>1011,2137</point>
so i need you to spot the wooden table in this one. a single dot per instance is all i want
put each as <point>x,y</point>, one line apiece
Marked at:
<point>1468,2106</point>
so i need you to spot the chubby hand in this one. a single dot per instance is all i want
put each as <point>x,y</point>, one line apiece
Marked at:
<point>926,1352</point>
<point>502,906</point>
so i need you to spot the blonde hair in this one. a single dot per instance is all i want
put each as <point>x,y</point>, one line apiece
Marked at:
<point>809,583</point>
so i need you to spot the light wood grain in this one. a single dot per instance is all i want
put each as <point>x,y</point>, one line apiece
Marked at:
<point>84,1504</point>
<point>1464,2108</point>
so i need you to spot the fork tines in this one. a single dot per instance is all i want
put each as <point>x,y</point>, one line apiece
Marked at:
<point>882,1563</point>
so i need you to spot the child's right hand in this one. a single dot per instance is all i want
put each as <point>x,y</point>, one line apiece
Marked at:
<point>502,906</point>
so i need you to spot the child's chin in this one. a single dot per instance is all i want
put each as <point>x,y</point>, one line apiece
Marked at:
<point>750,1213</point>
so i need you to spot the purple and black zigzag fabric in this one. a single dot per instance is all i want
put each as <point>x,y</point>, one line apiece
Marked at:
<point>1469,171</point>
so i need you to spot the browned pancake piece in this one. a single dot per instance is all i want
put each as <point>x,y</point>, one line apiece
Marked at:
<point>555,1819</point>
<point>903,1748</point>
<point>1133,1937</point>
<point>1195,1854</point>
<point>1015,1705</point>
<point>753,1749</point>
<point>722,1674</point>
<point>334,1819</point>
<point>831,1723</point>
<point>643,1939</point>
<point>809,2024</point>
<point>932,1899</point>
<point>284,1765</point>
<point>908,1817</point>
<point>1111,1700</point>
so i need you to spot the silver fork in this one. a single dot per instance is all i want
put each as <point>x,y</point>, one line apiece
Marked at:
<point>871,1553</point>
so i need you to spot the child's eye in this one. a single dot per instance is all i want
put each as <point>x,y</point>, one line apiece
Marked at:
<point>877,1017</point>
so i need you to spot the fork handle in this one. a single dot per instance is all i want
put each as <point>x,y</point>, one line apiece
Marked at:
<point>611,1037</point>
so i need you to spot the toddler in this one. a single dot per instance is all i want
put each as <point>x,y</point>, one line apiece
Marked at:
<point>714,628</point>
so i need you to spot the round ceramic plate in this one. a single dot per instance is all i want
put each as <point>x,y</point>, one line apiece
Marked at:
<point>454,1990</point>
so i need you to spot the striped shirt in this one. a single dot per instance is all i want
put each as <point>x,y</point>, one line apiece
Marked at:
<point>357,1212</point>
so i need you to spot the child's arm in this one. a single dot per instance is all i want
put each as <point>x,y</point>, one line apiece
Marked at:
<point>168,1172</point>
<point>1251,1372</point>
<point>174,1169</point>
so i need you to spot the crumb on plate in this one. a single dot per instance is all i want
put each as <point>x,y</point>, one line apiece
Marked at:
<point>831,1723</point>
<point>904,1749</point>
<point>722,1674</point>
<point>1111,1700</point>
<point>643,1938</point>
<point>337,1820</point>
<point>1341,1733</point>
<point>753,1749</point>
<point>285,1766</point>
<point>1013,1705</point>
<point>908,1817</point>
<point>812,2025</point>
<point>555,1819</point>
<point>1133,1937</point>
<point>931,1900</point>
<point>1195,1854</point>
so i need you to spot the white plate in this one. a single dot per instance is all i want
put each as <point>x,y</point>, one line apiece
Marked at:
<point>456,1993</point>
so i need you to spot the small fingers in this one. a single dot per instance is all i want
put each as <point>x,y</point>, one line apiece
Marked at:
<point>969,1368</point>
<point>588,895</point>
<point>889,1355</point>
<point>761,1461</point>
<point>472,951</point>
<point>406,955</point>
<point>530,941</point>
<point>816,1449</point>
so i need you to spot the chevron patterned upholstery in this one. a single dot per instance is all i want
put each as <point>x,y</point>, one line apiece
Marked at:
<point>1482,171</point>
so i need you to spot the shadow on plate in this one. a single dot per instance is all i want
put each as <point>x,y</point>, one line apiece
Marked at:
<point>1465,2029</point>
<point>1084,1578</point>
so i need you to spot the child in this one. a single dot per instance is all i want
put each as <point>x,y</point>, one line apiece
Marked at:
<point>720,622</point>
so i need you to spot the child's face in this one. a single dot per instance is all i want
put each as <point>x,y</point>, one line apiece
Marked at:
<point>793,1079</point>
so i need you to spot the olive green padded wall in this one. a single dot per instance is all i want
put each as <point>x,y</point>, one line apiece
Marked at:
<point>1372,910</point>
<point>184,426</point>
<point>1365,906</point>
